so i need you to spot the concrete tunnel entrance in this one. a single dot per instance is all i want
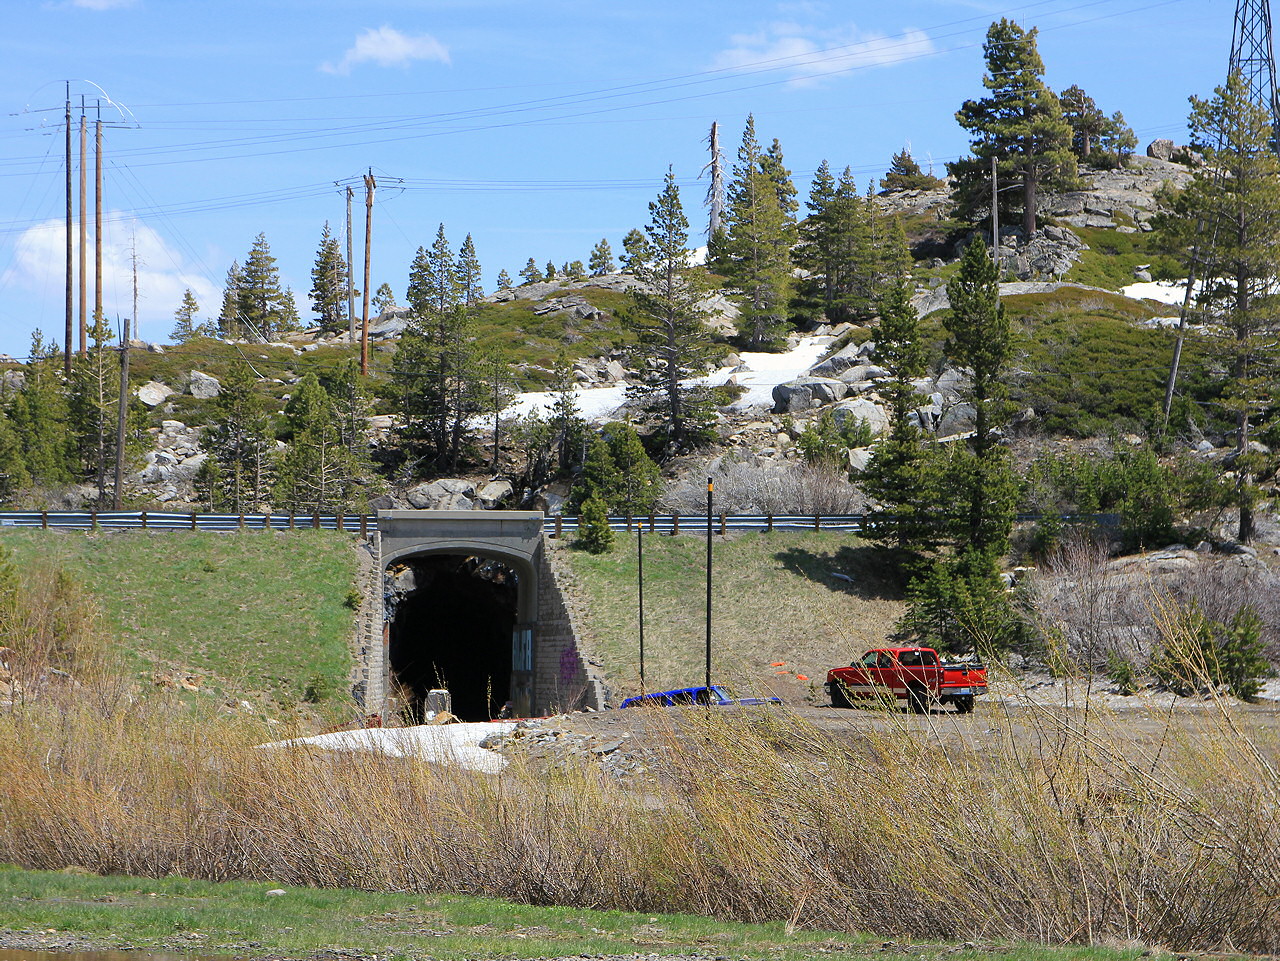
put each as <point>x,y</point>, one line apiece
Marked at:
<point>451,627</point>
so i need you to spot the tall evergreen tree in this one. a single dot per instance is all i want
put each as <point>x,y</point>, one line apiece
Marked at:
<point>239,443</point>
<point>470,285</point>
<point>531,274</point>
<point>902,477</point>
<point>979,339</point>
<point>759,232</point>
<point>1236,197</point>
<point>329,283</point>
<point>93,406</point>
<point>434,375</point>
<point>265,308</point>
<point>1020,124</point>
<point>601,260</point>
<point>230,322</point>
<point>40,417</point>
<point>669,321</point>
<point>636,251</point>
<point>504,279</point>
<point>384,298</point>
<point>316,471</point>
<point>184,319</point>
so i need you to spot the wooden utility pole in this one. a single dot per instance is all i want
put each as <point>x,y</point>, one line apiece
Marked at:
<point>369,185</point>
<point>67,345</point>
<point>84,228</point>
<point>97,216</point>
<point>351,276</point>
<point>123,407</point>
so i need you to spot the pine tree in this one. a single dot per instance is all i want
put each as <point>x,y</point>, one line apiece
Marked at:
<point>979,339</point>
<point>264,308</point>
<point>239,438</point>
<point>531,274</point>
<point>905,174</point>
<point>574,270</point>
<point>675,342</point>
<point>755,253</point>
<point>434,373</point>
<point>550,273</point>
<point>230,323</point>
<point>316,473</point>
<point>184,319</point>
<point>1020,124</point>
<point>1240,208</point>
<point>384,298</point>
<point>639,480</point>
<point>40,417</point>
<point>902,477</point>
<point>13,465</point>
<point>468,271</point>
<point>601,260</point>
<point>504,279</point>
<point>93,406</point>
<point>329,283</point>
<point>636,252</point>
<point>1095,137</point>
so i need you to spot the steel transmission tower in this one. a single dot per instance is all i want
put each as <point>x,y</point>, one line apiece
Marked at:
<point>1253,57</point>
<point>1253,54</point>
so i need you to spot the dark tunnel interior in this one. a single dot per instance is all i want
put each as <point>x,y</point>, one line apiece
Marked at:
<point>453,631</point>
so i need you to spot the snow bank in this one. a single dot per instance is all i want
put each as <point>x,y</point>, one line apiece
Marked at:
<point>759,374</point>
<point>456,744</point>
<point>1164,291</point>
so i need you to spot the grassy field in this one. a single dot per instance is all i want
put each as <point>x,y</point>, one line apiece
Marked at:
<point>808,600</point>
<point>244,613</point>
<point>240,918</point>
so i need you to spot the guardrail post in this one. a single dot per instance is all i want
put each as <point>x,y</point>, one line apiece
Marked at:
<point>144,520</point>
<point>315,520</point>
<point>675,524</point>
<point>93,518</point>
<point>817,525</point>
<point>266,520</point>
<point>341,518</point>
<point>559,523</point>
<point>769,523</point>
<point>722,525</point>
<point>194,524</point>
<point>44,520</point>
<point>364,525</point>
<point>651,523</point>
<point>628,523</point>
<point>291,516</point>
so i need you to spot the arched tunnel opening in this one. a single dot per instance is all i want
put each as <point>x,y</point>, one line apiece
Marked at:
<point>451,627</point>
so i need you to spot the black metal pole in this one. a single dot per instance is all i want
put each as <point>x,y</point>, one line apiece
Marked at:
<point>710,489</point>
<point>640,595</point>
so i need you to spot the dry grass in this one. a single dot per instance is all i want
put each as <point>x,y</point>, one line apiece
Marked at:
<point>1047,826</point>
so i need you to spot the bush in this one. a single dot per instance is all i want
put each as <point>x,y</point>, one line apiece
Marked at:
<point>594,533</point>
<point>960,604</point>
<point>824,442</point>
<point>1201,655</point>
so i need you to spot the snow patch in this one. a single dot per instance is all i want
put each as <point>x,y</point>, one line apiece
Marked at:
<point>454,744</point>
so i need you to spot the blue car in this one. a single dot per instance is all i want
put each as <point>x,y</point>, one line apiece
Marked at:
<point>695,695</point>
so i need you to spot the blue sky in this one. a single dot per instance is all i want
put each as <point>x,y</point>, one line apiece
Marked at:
<point>538,128</point>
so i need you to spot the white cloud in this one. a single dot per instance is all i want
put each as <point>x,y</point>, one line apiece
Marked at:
<point>388,47</point>
<point>163,275</point>
<point>809,54</point>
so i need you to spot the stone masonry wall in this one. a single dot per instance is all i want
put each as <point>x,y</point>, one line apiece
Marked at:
<point>563,679</point>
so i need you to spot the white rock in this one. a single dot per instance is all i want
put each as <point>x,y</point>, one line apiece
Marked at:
<point>154,393</point>
<point>203,386</point>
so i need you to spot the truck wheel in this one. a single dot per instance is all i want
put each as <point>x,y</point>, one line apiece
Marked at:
<point>838,696</point>
<point>964,704</point>
<point>918,698</point>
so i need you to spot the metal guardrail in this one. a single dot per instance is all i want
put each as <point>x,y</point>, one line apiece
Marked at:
<point>553,525</point>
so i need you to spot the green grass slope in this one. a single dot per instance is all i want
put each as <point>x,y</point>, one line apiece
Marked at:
<point>778,598</point>
<point>246,613</point>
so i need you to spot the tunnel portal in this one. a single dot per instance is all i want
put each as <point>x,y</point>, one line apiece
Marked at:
<point>451,627</point>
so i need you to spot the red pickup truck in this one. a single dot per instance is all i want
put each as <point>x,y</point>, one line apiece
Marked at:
<point>913,674</point>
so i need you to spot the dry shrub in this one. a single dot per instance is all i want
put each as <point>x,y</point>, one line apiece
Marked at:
<point>747,484</point>
<point>1033,825</point>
